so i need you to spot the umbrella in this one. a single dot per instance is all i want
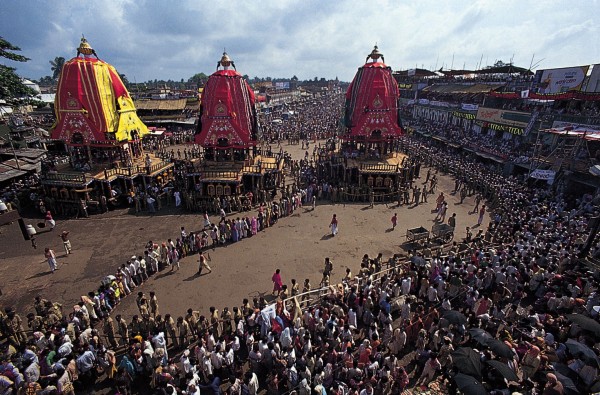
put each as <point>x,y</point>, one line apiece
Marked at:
<point>469,385</point>
<point>504,370</point>
<point>500,348</point>
<point>480,335</point>
<point>575,348</point>
<point>568,384</point>
<point>455,317</point>
<point>467,361</point>
<point>586,323</point>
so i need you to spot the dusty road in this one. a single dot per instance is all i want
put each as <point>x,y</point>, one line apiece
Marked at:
<point>297,245</point>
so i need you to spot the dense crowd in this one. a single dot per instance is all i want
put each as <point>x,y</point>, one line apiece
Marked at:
<point>309,119</point>
<point>511,309</point>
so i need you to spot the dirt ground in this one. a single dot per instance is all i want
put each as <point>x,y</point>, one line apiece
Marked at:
<point>297,245</point>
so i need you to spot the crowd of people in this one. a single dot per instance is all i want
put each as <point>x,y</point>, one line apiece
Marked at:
<point>512,309</point>
<point>309,119</point>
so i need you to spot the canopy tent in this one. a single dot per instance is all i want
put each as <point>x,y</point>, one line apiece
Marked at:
<point>372,102</point>
<point>227,113</point>
<point>92,103</point>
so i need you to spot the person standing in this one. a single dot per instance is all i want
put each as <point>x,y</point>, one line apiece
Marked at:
<point>394,221</point>
<point>153,304</point>
<point>334,225</point>
<point>277,283</point>
<point>150,202</point>
<point>51,257</point>
<point>49,220</point>
<point>478,199</point>
<point>417,195</point>
<point>481,215</point>
<point>66,242</point>
<point>177,195</point>
<point>207,223</point>
<point>452,220</point>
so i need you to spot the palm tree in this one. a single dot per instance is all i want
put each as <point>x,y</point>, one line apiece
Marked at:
<point>57,65</point>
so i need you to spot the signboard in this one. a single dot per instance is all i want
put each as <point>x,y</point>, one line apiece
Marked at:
<point>405,86</point>
<point>531,122</point>
<point>560,80</point>
<point>282,85</point>
<point>469,107</point>
<point>547,175</point>
<point>593,84</point>
<point>411,72</point>
<point>502,128</point>
<point>503,117</point>
<point>465,115</point>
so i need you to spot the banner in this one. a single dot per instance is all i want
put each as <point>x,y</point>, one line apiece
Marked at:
<point>282,85</point>
<point>593,83</point>
<point>469,107</point>
<point>560,80</point>
<point>531,122</point>
<point>547,175</point>
<point>591,96</point>
<point>504,117</point>
<point>464,115</point>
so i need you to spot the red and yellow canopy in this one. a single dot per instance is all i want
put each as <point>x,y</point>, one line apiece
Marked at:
<point>92,103</point>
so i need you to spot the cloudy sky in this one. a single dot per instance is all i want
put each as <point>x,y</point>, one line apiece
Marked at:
<point>152,39</point>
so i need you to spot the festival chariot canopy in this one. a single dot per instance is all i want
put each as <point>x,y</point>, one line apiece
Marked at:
<point>227,113</point>
<point>372,102</point>
<point>92,104</point>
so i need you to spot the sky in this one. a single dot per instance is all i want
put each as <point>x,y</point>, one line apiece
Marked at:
<point>152,39</point>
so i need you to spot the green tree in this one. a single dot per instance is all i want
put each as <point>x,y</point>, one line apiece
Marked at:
<point>7,49</point>
<point>11,85</point>
<point>56,66</point>
<point>199,78</point>
<point>123,78</point>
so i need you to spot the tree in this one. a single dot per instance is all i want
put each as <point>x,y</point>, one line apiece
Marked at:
<point>6,51</point>
<point>294,78</point>
<point>57,65</point>
<point>123,78</point>
<point>11,85</point>
<point>199,78</point>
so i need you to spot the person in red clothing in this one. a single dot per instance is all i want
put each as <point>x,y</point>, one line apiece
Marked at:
<point>481,214</point>
<point>277,283</point>
<point>334,225</point>
<point>49,220</point>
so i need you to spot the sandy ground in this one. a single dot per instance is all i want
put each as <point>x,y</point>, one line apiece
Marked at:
<point>297,245</point>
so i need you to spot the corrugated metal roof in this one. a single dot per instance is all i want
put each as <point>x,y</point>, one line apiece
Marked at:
<point>162,105</point>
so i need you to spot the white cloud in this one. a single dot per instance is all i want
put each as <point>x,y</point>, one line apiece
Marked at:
<point>152,39</point>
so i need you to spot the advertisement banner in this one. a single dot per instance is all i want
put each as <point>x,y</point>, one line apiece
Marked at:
<point>469,107</point>
<point>511,118</point>
<point>282,85</point>
<point>531,122</point>
<point>593,84</point>
<point>560,80</point>
<point>464,115</point>
<point>543,174</point>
